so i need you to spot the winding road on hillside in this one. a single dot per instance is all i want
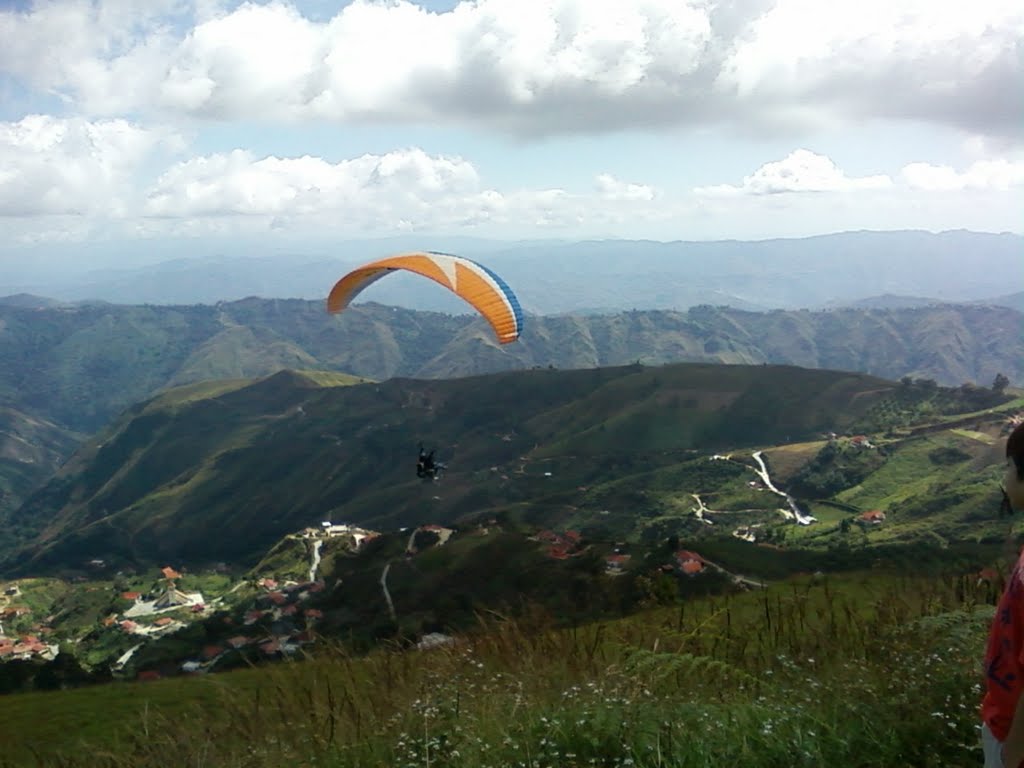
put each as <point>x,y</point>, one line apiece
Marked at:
<point>701,509</point>
<point>794,510</point>
<point>387,595</point>
<point>315,559</point>
<point>744,532</point>
<point>122,660</point>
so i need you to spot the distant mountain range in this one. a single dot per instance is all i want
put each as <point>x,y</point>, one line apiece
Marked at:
<point>553,277</point>
<point>80,365</point>
<point>889,301</point>
<point>66,371</point>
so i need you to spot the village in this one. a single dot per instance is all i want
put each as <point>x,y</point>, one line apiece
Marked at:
<point>278,620</point>
<point>561,546</point>
<point>24,646</point>
<point>278,623</point>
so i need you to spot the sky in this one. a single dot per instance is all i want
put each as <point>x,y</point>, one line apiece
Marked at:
<point>127,124</point>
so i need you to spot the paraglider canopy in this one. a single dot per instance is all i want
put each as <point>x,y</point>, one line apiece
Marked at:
<point>473,282</point>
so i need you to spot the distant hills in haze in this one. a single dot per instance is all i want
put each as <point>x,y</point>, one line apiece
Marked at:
<point>552,277</point>
<point>889,301</point>
<point>80,365</point>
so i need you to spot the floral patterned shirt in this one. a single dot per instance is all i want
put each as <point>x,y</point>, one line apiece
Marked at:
<point>1004,656</point>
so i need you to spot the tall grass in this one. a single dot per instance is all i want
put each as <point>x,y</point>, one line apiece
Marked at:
<point>880,671</point>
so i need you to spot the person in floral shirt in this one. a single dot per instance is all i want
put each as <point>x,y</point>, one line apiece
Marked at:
<point>1002,729</point>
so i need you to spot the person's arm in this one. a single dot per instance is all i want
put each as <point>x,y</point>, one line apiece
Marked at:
<point>1013,747</point>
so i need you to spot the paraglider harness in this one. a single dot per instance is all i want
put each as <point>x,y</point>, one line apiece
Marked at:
<point>426,467</point>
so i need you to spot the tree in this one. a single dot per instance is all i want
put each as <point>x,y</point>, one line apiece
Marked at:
<point>1000,384</point>
<point>657,589</point>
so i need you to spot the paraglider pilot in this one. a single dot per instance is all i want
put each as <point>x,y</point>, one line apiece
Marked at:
<point>425,466</point>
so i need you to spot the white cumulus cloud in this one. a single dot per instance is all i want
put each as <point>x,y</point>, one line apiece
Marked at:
<point>55,166</point>
<point>238,183</point>
<point>990,175</point>
<point>942,61</point>
<point>801,171</point>
<point>611,188</point>
<point>531,67</point>
<point>401,190</point>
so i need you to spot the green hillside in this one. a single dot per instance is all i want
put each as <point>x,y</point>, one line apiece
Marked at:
<point>222,471</point>
<point>31,450</point>
<point>550,550</point>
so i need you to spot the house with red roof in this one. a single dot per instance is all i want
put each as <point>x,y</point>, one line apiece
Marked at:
<point>562,544</point>
<point>211,652</point>
<point>29,646</point>
<point>689,562</point>
<point>684,554</point>
<point>872,517</point>
<point>692,567</point>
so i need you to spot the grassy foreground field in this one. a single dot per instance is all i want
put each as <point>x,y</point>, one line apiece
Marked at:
<point>868,669</point>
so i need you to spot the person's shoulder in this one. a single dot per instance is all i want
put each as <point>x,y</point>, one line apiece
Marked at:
<point>1015,578</point>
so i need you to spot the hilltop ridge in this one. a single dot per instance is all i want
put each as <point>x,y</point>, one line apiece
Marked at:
<point>259,459</point>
